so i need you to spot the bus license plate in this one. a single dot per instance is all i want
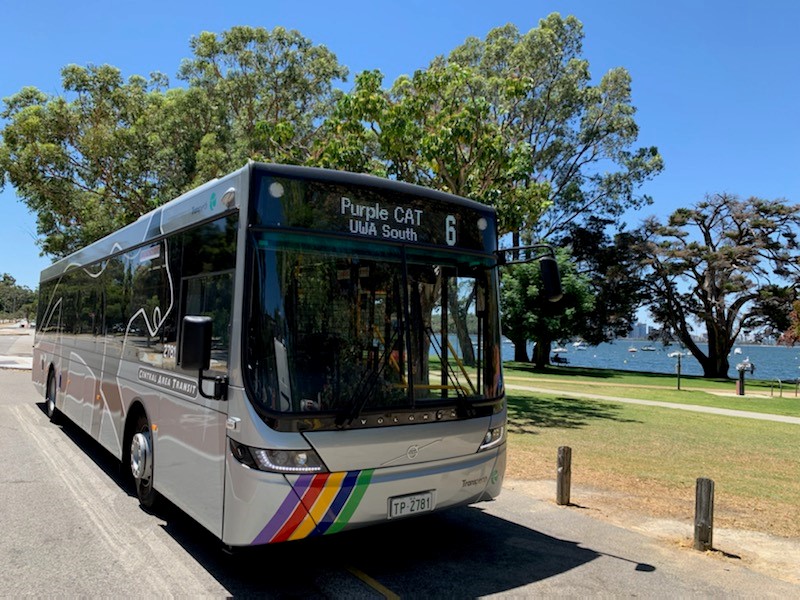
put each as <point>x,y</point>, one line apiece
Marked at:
<point>401,506</point>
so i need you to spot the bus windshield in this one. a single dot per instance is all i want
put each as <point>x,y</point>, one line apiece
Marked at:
<point>347,327</point>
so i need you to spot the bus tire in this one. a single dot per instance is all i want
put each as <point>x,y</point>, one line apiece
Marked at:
<point>141,462</point>
<point>50,400</point>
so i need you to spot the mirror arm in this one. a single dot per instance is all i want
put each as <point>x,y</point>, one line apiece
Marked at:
<point>542,250</point>
<point>220,386</point>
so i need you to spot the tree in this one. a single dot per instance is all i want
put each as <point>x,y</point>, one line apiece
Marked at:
<point>529,315</point>
<point>512,121</point>
<point>791,334</point>
<point>88,164</point>
<point>772,311</point>
<point>105,151</point>
<point>612,264</point>
<point>269,91</point>
<point>714,264</point>
<point>15,300</point>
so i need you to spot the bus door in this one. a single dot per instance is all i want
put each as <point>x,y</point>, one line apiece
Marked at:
<point>190,460</point>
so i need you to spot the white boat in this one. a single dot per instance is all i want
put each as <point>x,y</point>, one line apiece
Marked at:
<point>648,348</point>
<point>737,350</point>
<point>632,349</point>
<point>559,349</point>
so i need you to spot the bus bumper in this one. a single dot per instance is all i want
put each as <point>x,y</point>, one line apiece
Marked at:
<point>264,508</point>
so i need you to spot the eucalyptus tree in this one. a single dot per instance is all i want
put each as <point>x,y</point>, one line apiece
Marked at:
<point>104,151</point>
<point>717,267</point>
<point>89,160</point>
<point>513,120</point>
<point>268,90</point>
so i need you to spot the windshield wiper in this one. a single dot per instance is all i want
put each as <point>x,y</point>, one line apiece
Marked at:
<point>366,386</point>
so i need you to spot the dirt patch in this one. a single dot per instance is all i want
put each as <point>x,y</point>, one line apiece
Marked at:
<point>672,522</point>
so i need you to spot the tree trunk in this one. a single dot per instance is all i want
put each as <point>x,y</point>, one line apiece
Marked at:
<point>541,353</point>
<point>520,349</point>
<point>459,312</point>
<point>718,349</point>
<point>715,365</point>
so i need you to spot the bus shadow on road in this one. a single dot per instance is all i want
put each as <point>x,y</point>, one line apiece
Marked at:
<point>458,553</point>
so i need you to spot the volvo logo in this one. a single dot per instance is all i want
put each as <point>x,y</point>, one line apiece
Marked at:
<point>411,452</point>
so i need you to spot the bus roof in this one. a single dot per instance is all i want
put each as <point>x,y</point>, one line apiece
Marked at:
<point>370,181</point>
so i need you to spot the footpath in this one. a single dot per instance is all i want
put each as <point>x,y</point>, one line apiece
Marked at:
<point>690,407</point>
<point>16,347</point>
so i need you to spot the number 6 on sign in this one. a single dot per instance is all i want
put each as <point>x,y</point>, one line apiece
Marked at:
<point>450,230</point>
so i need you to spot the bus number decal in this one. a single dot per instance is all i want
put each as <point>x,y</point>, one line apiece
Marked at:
<point>450,230</point>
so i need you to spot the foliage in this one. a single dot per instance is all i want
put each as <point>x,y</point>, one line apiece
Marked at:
<point>96,157</point>
<point>612,265</point>
<point>267,93</point>
<point>512,121</point>
<point>16,300</point>
<point>85,165</point>
<point>714,265</point>
<point>791,335</point>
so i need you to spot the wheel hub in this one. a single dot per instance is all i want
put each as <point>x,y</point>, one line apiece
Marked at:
<point>140,456</point>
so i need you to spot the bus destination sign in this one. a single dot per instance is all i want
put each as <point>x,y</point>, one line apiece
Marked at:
<point>386,222</point>
<point>384,215</point>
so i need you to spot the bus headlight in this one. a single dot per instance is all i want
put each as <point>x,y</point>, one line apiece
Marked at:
<point>278,461</point>
<point>494,437</point>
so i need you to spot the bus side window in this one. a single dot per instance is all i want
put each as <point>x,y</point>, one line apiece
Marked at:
<point>211,295</point>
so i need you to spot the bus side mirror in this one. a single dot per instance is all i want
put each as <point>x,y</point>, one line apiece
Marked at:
<point>195,348</point>
<point>551,278</point>
<point>195,355</point>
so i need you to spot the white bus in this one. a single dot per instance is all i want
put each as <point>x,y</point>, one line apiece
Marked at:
<point>287,352</point>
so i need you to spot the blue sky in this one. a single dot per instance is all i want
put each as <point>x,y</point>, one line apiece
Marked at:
<point>715,83</point>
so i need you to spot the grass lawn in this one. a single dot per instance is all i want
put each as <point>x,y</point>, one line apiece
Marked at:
<point>761,396</point>
<point>647,459</point>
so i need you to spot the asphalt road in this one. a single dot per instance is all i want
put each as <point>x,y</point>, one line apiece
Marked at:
<point>71,527</point>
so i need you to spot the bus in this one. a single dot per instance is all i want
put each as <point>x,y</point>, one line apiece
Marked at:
<point>287,352</point>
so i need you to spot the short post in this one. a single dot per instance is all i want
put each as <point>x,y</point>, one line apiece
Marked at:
<point>704,514</point>
<point>677,355</point>
<point>743,366</point>
<point>564,478</point>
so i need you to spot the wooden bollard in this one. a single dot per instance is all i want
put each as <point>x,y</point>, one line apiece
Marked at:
<point>564,475</point>
<point>704,514</point>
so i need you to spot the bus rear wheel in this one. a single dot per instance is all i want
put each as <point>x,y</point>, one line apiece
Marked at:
<point>141,462</point>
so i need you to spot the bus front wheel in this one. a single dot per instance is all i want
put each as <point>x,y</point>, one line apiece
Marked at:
<point>50,400</point>
<point>141,453</point>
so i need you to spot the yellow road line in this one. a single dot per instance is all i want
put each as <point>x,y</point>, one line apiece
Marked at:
<point>375,585</point>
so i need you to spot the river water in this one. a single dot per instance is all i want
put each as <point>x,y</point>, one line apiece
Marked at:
<point>771,362</point>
